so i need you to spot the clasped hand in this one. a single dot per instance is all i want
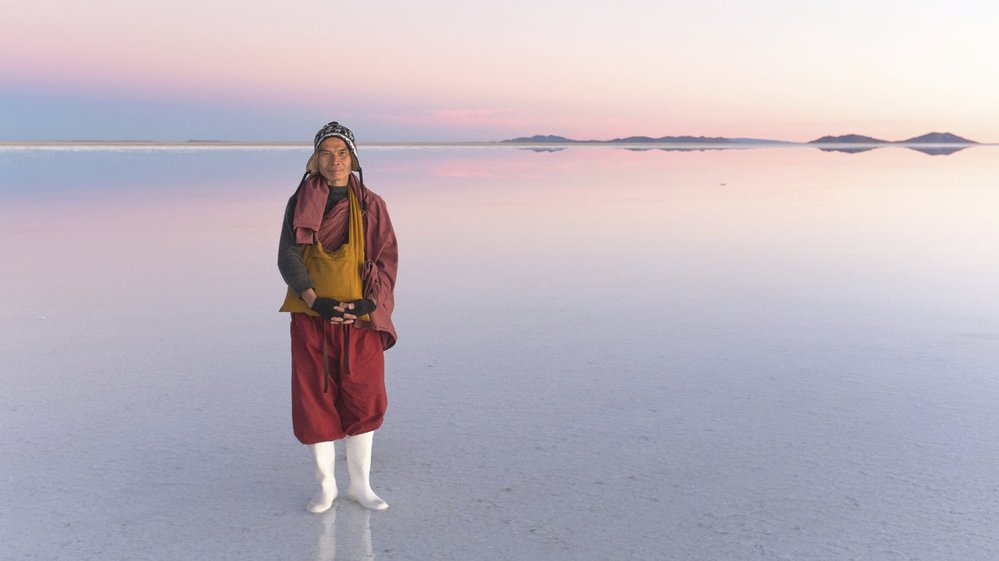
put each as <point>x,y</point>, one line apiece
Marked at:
<point>345,313</point>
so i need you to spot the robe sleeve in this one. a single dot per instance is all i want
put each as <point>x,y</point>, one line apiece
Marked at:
<point>380,269</point>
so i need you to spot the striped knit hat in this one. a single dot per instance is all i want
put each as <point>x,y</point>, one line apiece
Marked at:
<point>334,129</point>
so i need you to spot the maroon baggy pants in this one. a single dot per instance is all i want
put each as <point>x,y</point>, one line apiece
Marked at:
<point>346,395</point>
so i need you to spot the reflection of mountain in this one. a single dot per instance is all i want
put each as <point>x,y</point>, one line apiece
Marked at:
<point>929,138</point>
<point>851,150</point>
<point>555,139</point>
<point>931,143</point>
<point>931,150</point>
<point>937,150</point>
<point>676,148</point>
<point>670,140</point>
<point>539,149</point>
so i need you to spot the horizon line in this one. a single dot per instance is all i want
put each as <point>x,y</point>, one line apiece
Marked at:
<point>511,142</point>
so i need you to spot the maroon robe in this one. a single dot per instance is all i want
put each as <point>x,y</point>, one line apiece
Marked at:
<point>338,380</point>
<point>380,245</point>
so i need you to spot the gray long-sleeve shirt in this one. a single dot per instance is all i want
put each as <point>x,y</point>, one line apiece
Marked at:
<point>290,262</point>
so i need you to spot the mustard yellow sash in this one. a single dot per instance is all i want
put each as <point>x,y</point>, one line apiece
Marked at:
<point>337,274</point>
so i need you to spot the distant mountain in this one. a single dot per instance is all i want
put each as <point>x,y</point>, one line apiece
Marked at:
<point>927,144</point>
<point>848,139</point>
<point>551,138</point>
<point>540,139</point>
<point>939,138</point>
<point>931,138</point>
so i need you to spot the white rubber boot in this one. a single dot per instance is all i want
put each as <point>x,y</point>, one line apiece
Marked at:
<point>325,456</point>
<point>359,466</point>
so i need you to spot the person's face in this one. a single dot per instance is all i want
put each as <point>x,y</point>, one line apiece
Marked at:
<point>333,159</point>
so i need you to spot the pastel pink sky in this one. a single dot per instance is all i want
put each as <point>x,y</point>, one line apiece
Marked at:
<point>450,70</point>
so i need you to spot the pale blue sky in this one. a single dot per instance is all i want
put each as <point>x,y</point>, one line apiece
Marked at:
<point>447,70</point>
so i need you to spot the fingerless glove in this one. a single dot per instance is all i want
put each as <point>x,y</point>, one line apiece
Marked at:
<point>324,307</point>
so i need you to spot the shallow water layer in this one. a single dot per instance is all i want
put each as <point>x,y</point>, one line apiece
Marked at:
<point>776,353</point>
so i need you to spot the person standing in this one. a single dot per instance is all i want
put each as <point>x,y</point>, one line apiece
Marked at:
<point>338,255</point>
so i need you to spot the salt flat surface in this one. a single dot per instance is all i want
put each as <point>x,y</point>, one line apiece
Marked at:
<point>604,354</point>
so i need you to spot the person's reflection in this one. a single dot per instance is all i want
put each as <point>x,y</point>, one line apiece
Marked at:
<point>326,551</point>
<point>358,540</point>
<point>355,544</point>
